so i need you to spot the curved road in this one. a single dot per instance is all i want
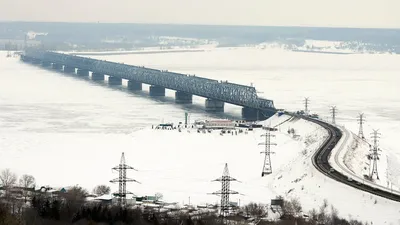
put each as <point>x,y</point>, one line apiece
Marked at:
<point>320,161</point>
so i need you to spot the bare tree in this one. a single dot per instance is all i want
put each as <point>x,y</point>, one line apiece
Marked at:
<point>296,206</point>
<point>27,182</point>
<point>101,190</point>
<point>8,178</point>
<point>256,210</point>
<point>158,196</point>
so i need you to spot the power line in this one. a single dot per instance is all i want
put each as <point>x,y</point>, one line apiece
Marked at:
<point>225,192</point>
<point>267,166</point>
<point>375,135</point>
<point>334,112</point>
<point>361,120</point>
<point>121,180</point>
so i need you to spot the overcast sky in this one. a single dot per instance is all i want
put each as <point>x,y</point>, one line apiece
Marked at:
<point>342,13</point>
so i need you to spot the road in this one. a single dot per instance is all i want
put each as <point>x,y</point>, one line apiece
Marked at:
<point>321,163</point>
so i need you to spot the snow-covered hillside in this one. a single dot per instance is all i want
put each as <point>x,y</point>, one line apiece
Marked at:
<point>181,165</point>
<point>350,157</point>
<point>323,46</point>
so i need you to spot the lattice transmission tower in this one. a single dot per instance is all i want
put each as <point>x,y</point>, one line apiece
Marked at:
<point>334,112</point>
<point>306,104</point>
<point>375,135</point>
<point>267,167</point>
<point>361,120</point>
<point>122,179</point>
<point>225,192</point>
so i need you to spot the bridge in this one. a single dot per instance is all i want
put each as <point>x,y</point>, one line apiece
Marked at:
<point>217,93</point>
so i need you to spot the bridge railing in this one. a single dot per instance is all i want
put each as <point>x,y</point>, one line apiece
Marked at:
<point>204,87</point>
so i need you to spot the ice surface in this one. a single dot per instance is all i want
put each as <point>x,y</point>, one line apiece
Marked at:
<point>66,131</point>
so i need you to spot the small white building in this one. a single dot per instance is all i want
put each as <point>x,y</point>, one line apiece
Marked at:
<point>219,124</point>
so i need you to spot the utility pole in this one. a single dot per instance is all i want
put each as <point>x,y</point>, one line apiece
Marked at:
<point>267,167</point>
<point>121,180</point>
<point>361,120</point>
<point>225,192</point>
<point>334,112</point>
<point>306,103</point>
<point>375,135</point>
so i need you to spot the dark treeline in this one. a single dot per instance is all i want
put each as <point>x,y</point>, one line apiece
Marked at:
<point>73,210</point>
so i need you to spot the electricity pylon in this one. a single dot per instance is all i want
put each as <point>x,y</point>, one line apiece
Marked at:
<point>375,135</point>
<point>267,167</point>
<point>121,180</point>
<point>361,120</point>
<point>225,192</point>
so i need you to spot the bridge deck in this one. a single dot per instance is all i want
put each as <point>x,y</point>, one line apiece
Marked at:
<point>236,94</point>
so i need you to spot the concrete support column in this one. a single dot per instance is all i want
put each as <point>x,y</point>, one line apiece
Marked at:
<point>134,85</point>
<point>97,76</point>
<point>69,69</point>
<point>250,114</point>
<point>25,58</point>
<point>82,72</point>
<point>57,66</point>
<point>46,64</point>
<point>36,61</point>
<point>183,98</point>
<point>114,80</point>
<point>214,105</point>
<point>157,90</point>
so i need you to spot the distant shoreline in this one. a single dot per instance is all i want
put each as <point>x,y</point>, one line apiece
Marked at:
<point>323,52</point>
<point>136,52</point>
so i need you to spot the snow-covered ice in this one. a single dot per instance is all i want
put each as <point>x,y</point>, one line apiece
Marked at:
<point>65,130</point>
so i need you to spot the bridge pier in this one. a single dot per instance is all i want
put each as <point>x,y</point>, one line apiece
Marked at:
<point>46,64</point>
<point>97,76</point>
<point>134,85</point>
<point>213,105</point>
<point>36,61</point>
<point>69,69</point>
<point>57,66</point>
<point>183,98</point>
<point>82,72</point>
<point>157,90</point>
<point>26,59</point>
<point>250,114</point>
<point>114,80</point>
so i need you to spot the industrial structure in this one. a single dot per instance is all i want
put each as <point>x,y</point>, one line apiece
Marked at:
<point>121,180</point>
<point>306,104</point>
<point>216,92</point>
<point>334,112</point>
<point>374,156</point>
<point>361,120</point>
<point>267,166</point>
<point>225,192</point>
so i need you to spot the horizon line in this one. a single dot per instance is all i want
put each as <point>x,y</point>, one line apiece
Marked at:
<point>199,24</point>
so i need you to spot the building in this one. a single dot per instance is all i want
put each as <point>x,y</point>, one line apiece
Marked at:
<point>218,124</point>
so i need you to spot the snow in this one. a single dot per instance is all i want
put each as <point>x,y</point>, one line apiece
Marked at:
<point>149,50</point>
<point>350,158</point>
<point>67,131</point>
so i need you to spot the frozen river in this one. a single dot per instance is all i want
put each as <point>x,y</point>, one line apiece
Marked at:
<point>60,128</point>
